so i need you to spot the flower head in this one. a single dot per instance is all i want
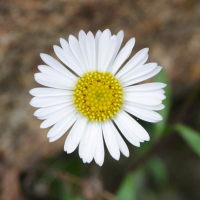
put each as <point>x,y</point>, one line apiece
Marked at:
<point>94,95</point>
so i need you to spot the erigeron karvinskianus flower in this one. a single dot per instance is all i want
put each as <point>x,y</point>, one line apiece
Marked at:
<point>94,96</point>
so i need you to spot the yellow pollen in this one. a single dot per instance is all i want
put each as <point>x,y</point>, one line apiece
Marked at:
<point>98,96</point>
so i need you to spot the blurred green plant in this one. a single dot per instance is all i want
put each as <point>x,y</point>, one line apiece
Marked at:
<point>135,182</point>
<point>191,137</point>
<point>65,195</point>
<point>158,171</point>
<point>131,184</point>
<point>127,190</point>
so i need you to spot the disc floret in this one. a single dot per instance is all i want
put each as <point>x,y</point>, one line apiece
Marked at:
<point>98,96</point>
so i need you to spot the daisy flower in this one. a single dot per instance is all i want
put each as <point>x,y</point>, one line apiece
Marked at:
<point>95,97</point>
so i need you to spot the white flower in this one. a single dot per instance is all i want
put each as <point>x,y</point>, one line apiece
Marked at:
<point>94,96</point>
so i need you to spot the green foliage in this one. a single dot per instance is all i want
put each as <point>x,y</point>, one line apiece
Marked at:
<point>159,127</point>
<point>131,184</point>
<point>127,190</point>
<point>72,165</point>
<point>191,137</point>
<point>65,195</point>
<point>158,171</point>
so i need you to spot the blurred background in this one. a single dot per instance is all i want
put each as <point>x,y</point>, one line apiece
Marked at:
<point>167,167</point>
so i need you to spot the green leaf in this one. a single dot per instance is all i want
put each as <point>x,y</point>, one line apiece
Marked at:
<point>78,198</point>
<point>132,184</point>
<point>64,193</point>
<point>159,127</point>
<point>191,137</point>
<point>127,188</point>
<point>158,171</point>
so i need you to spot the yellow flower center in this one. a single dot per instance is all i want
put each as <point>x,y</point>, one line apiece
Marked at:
<point>98,96</point>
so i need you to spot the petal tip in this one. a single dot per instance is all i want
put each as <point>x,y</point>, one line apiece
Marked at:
<point>49,135</point>
<point>35,114</point>
<point>127,154</point>
<point>100,163</point>
<point>50,140</point>
<point>31,92</point>
<point>30,102</point>
<point>55,47</point>
<point>42,55</point>
<point>116,157</point>
<point>42,125</point>
<point>62,39</point>
<point>148,138</point>
<point>121,32</point>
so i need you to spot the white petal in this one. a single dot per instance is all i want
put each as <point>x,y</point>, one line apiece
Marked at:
<point>81,147</point>
<point>141,100</point>
<point>75,47</point>
<point>146,115</point>
<point>51,81</point>
<point>91,49</point>
<point>49,101</point>
<point>142,78</point>
<point>110,141</point>
<point>137,58</point>
<point>123,55</point>
<point>57,116</point>
<point>83,45</point>
<point>52,114</point>
<point>91,145</point>
<point>148,94</point>
<point>52,72</point>
<point>160,91</point>
<point>87,44</point>
<point>119,40</point>
<point>43,117</point>
<point>122,145</point>
<point>71,63</point>
<point>50,109</point>
<point>99,152</point>
<point>133,126</point>
<point>145,87</point>
<point>56,65</point>
<point>143,70</point>
<point>134,140</point>
<point>75,135</point>
<point>132,71</point>
<point>47,82</point>
<point>49,92</point>
<point>88,146</point>
<point>87,138</point>
<point>68,124</point>
<point>108,32</point>
<point>57,76</point>
<point>62,124</point>
<point>83,141</point>
<point>103,43</point>
<point>138,66</point>
<point>108,52</point>
<point>156,107</point>
<point>97,38</point>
